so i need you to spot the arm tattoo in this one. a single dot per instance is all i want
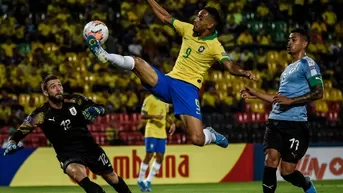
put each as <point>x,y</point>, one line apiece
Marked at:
<point>315,94</point>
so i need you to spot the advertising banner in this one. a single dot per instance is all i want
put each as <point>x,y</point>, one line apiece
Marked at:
<point>182,164</point>
<point>322,163</point>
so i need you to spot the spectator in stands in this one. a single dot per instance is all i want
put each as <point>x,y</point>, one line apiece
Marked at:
<point>227,38</point>
<point>262,11</point>
<point>245,38</point>
<point>5,99</point>
<point>210,100</point>
<point>319,26</point>
<point>5,113</point>
<point>132,100</point>
<point>329,16</point>
<point>8,47</point>
<point>229,102</point>
<point>30,107</point>
<point>263,38</point>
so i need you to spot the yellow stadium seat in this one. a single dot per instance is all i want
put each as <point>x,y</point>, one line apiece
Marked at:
<point>272,91</point>
<point>283,63</point>
<point>327,84</point>
<point>257,107</point>
<point>72,57</point>
<point>339,95</point>
<point>272,67</point>
<point>39,98</point>
<point>237,86</point>
<point>283,55</point>
<point>13,96</point>
<point>221,87</point>
<point>252,84</point>
<point>326,95</point>
<point>321,106</point>
<point>216,76</point>
<point>228,76</point>
<point>23,99</point>
<point>86,87</point>
<point>222,94</point>
<point>50,47</point>
<point>335,95</point>
<point>272,56</point>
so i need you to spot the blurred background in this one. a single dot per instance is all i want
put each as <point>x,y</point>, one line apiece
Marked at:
<point>39,37</point>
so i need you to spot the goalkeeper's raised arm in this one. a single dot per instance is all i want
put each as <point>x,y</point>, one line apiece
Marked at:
<point>160,12</point>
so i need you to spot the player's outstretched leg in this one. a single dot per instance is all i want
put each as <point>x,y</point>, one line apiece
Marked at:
<point>296,178</point>
<point>116,182</point>
<point>78,173</point>
<point>200,136</point>
<point>142,69</point>
<point>219,139</point>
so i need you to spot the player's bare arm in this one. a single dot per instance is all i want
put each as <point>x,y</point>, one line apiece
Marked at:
<point>172,125</point>
<point>160,12</point>
<point>236,70</point>
<point>253,94</point>
<point>315,94</point>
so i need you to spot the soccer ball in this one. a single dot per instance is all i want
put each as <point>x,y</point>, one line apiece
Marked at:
<point>98,29</point>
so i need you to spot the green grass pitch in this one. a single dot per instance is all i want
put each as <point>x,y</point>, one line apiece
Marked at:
<point>249,187</point>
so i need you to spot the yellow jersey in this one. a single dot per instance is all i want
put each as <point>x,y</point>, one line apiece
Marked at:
<point>196,54</point>
<point>155,128</point>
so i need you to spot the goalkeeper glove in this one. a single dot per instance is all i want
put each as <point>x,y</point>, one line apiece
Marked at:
<point>92,112</point>
<point>12,148</point>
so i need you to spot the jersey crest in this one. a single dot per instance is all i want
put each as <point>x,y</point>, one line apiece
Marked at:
<point>72,111</point>
<point>201,49</point>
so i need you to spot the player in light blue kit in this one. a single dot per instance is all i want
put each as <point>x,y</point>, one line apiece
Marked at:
<point>287,134</point>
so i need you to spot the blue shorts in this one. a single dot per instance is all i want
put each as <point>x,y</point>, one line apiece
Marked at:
<point>155,145</point>
<point>182,95</point>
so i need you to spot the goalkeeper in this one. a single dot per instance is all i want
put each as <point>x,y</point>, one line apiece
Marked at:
<point>63,119</point>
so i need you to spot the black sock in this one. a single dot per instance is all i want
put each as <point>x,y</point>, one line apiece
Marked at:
<point>90,187</point>
<point>269,180</point>
<point>297,179</point>
<point>121,187</point>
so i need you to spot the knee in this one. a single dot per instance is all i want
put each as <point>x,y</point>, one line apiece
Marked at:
<point>111,178</point>
<point>76,174</point>
<point>198,140</point>
<point>138,61</point>
<point>272,161</point>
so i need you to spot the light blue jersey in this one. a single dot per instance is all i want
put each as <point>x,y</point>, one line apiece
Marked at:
<point>296,80</point>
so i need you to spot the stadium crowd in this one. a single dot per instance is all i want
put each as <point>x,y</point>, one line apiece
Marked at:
<point>38,37</point>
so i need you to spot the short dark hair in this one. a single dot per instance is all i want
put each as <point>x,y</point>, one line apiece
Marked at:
<point>46,80</point>
<point>215,14</point>
<point>304,33</point>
